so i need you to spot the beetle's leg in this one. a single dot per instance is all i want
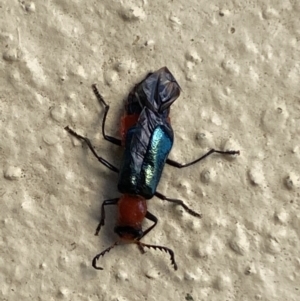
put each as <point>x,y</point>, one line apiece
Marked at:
<point>180,165</point>
<point>141,245</point>
<point>152,218</point>
<point>178,202</point>
<point>102,218</point>
<point>111,139</point>
<point>89,144</point>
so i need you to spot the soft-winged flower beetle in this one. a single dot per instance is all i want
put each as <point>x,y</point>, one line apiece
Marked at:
<point>147,139</point>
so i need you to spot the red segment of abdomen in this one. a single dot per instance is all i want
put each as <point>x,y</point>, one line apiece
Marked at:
<point>132,210</point>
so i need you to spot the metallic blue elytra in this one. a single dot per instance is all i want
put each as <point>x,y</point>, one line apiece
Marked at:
<point>140,174</point>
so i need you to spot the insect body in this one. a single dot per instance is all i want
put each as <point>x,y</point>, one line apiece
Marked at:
<point>147,138</point>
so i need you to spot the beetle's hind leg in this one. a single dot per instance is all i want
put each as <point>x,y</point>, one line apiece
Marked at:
<point>178,202</point>
<point>89,144</point>
<point>111,139</point>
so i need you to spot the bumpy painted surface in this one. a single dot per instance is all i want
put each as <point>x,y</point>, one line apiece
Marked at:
<point>237,63</point>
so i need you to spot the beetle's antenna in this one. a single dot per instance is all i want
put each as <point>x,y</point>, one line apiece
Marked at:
<point>94,262</point>
<point>161,248</point>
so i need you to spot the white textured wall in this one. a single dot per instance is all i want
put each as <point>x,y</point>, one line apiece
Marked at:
<point>238,64</point>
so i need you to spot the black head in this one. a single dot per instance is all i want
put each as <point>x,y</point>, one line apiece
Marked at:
<point>129,233</point>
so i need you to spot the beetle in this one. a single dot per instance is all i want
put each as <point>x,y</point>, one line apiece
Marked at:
<point>147,138</point>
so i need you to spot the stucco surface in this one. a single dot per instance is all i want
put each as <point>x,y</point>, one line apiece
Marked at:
<point>238,64</point>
